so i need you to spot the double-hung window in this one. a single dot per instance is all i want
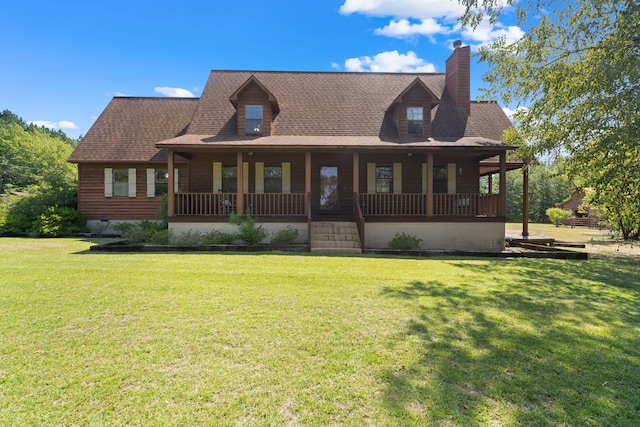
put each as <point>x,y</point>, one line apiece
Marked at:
<point>120,182</point>
<point>415,121</point>
<point>253,119</point>
<point>161,182</point>
<point>384,178</point>
<point>273,179</point>
<point>229,179</point>
<point>440,179</point>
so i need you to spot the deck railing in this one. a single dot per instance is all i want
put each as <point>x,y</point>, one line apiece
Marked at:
<point>222,204</point>
<point>415,204</point>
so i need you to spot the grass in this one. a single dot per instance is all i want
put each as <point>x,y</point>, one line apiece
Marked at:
<point>269,339</point>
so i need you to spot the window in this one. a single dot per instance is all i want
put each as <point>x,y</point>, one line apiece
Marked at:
<point>229,179</point>
<point>415,121</point>
<point>273,179</point>
<point>161,182</point>
<point>121,182</point>
<point>440,179</point>
<point>384,178</point>
<point>253,119</point>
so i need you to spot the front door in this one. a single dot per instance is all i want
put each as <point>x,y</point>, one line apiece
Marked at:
<point>329,191</point>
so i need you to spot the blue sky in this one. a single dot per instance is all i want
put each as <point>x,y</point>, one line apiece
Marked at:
<point>62,62</point>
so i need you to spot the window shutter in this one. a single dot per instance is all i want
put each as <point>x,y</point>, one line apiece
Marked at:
<point>132,182</point>
<point>175,181</point>
<point>217,176</point>
<point>424,178</point>
<point>151,182</point>
<point>371,177</point>
<point>451,178</point>
<point>259,177</point>
<point>108,182</point>
<point>397,178</point>
<point>286,177</point>
<point>245,177</point>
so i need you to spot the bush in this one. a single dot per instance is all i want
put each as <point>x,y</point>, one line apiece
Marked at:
<point>20,213</point>
<point>285,236</point>
<point>59,221</point>
<point>187,238</point>
<point>405,241</point>
<point>143,232</point>
<point>248,232</point>
<point>557,215</point>
<point>217,237</point>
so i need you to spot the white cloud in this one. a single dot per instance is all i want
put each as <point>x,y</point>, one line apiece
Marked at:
<point>392,62</point>
<point>335,65</point>
<point>64,124</point>
<point>486,33</point>
<point>174,92</point>
<point>404,29</point>
<point>419,9</point>
<point>512,113</point>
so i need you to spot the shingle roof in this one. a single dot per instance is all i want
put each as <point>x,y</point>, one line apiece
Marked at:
<point>323,109</point>
<point>128,129</point>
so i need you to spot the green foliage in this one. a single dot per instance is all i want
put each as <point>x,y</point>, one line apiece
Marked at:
<point>558,215</point>
<point>20,212</point>
<point>59,221</point>
<point>285,236</point>
<point>187,238</point>
<point>248,231</point>
<point>405,241</point>
<point>217,237</point>
<point>577,72</point>
<point>163,212</point>
<point>548,186</point>
<point>144,232</point>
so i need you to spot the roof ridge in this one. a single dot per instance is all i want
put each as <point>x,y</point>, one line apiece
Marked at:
<point>327,72</point>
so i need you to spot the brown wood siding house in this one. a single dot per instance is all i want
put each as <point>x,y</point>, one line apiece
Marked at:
<point>386,152</point>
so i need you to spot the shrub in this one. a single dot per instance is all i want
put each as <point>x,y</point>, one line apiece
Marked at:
<point>248,232</point>
<point>405,241</point>
<point>285,236</point>
<point>557,215</point>
<point>59,221</point>
<point>187,238</point>
<point>143,232</point>
<point>217,237</point>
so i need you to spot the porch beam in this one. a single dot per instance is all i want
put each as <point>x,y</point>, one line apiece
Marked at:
<point>429,184</point>
<point>503,183</point>
<point>240,197</point>
<point>171,198</point>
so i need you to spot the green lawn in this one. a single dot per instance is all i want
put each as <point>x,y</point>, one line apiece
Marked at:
<point>267,339</point>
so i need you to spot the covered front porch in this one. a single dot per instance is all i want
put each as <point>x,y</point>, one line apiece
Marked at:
<point>376,186</point>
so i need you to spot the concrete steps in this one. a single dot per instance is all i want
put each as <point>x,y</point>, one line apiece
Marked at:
<point>335,237</point>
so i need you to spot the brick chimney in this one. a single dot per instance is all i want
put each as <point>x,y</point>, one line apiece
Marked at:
<point>458,76</point>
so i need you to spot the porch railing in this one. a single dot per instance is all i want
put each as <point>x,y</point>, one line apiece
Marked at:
<point>222,204</point>
<point>415,204</point>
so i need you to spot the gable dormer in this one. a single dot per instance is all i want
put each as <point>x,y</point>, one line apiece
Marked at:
<point>411,110</point>
<point>255,107</point>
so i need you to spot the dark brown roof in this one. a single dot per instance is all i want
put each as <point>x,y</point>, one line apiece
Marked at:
<point>128,129</point>
<point>316,109</point>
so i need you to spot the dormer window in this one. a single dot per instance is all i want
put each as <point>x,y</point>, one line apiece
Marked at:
<point>253,119</point>
<point>415,121</point>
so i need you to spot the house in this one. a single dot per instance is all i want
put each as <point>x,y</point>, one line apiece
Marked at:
<point>581,214</point>
<point>350,159</point>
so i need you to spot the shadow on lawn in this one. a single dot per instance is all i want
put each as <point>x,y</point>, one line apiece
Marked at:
<point>539,345</point>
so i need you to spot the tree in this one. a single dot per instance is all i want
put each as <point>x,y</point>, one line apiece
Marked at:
<point>577,72</point>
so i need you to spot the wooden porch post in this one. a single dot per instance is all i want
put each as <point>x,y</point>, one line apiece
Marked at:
<point>503,184</point>
<point>490,183</point>
<point>356,172</point>
<point>430,184</point>
<point>240,196</point>
<point>525,201</point>
<point>171,198</point>
<point>307,180</point>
